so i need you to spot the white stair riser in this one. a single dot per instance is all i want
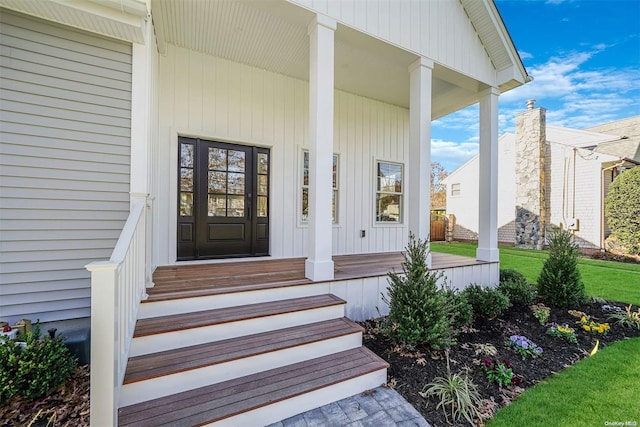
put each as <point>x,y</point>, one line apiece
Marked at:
<point>194,336</point>
<point>210,302</point>
<point>170,384</point>
<point>287,408</point>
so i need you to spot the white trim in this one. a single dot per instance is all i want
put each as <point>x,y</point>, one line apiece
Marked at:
<point>174,134</point>
<point>402,194</point>
<point>301,223</point>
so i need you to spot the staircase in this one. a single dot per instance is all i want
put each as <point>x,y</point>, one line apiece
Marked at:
<point>241,344</point>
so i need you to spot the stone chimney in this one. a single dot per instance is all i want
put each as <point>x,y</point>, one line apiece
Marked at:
<point>530,197</point>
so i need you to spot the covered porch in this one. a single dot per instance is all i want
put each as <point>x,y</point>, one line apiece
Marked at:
<point>323,97</point>
<point>359,279</point>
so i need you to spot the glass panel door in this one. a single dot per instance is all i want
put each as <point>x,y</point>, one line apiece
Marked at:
<point>223,204</point>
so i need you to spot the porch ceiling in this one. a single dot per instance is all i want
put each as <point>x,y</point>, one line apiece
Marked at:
<point>272,35</point>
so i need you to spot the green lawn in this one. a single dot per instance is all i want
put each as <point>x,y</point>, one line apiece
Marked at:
<point>598,390</point>
<point>610,280</point>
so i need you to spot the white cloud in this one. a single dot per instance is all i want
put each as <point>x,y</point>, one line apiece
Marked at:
<point>452,154</point>
<point>525,55</point>
<point>573,96</point>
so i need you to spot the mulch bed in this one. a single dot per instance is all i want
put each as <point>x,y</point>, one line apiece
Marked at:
<point>411,370</point>
<point>68,406</point>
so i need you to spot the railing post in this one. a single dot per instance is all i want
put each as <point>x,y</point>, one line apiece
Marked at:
<point>104,360</point>
<point>147,203</point>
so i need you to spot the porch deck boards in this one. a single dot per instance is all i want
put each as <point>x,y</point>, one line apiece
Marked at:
<point>174,361</point>
<point>178,322</point>
<point>191,280</point>
<point>223,400</point>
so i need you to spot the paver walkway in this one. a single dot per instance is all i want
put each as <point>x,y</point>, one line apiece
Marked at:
<point>380,407</point>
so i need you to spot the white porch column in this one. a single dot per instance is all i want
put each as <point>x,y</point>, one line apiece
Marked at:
<point>319,264</point>
<point>488,179</point>
<point>418,198</point>
<point>142,76</point>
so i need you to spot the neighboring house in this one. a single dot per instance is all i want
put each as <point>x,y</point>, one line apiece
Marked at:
<point>168,133</point>
<point>548,176</point>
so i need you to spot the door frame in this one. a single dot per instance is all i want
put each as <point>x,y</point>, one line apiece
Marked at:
<point>171,204</point>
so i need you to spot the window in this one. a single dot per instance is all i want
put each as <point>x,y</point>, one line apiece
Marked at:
<point>389,192</point>
<point>305,188</point>
<point>455,189</point>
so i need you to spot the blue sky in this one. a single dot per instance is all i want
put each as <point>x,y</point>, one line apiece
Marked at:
<point>584,56</point>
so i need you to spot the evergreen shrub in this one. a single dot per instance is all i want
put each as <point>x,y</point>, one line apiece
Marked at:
<point>419,311</point>
<point>560,282</point>
<point>35,370</point>
<point>622,208</point>
<point>486,302</point>
<point>515,286</point>
<point>461,310</point>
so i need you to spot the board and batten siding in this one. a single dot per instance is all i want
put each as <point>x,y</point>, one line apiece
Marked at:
<point>65,108</point>
<point>213,98</point>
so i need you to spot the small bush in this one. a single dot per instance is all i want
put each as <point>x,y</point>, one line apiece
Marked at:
<point>460,309</point>
<point>509,275</point>
<point>559,282</point>
<point>486,302</point>
<point>520,292</point>
<point>622,208</point>
<point>39,368</point>
<point>418,308</point>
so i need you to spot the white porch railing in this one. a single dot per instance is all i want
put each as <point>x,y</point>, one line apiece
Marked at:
<point>117,287</point>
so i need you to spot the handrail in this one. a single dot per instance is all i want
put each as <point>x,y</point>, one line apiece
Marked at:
<point>117,287</point>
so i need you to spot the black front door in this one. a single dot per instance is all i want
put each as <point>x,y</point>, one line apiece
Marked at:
<point>223,200</point>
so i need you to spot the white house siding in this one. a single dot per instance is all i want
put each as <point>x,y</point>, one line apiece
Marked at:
<point>573,190</point>
<point>213,98</point>
<point>421,26</point>
<point>465,206</point>
<point>65,137</point>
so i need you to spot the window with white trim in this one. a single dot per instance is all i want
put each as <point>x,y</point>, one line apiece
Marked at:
<point>455,189</point>
<point>389,191</point>
<point>305,188</point>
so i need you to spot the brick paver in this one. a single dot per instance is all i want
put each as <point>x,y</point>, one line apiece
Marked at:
<point>380,407</point>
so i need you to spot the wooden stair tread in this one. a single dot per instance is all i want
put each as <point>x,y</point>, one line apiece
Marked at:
<point>154,365</point>
<point>223,400</point>
<point>227,269</point>
<point>204,287</point>
<point>178,322</point>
